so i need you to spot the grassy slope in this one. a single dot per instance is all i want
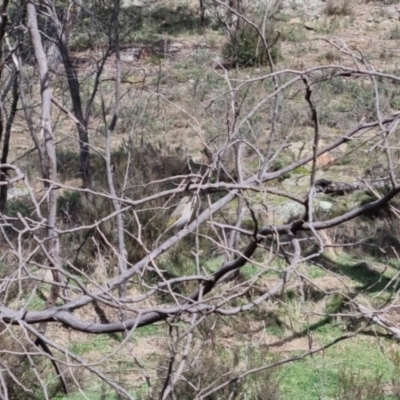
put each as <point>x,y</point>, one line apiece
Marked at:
<point>366,357</point>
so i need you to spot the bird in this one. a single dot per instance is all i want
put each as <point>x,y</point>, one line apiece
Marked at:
<point>181,215</point>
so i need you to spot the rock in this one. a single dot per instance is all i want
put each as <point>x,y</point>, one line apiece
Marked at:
<point>179,124</point>
<point>309,26</point>
<point>283,212</point>
<point>16,192</point>
<point>391,12</point>
<point>307,4</point>
<point>323,160</point>
<point>294,21</point>
<point>174,48</point>
<point>290,209</point>
<point>131,54</point>
<point>387,24</point>
<point>132,3</point>
<point>324,205</point>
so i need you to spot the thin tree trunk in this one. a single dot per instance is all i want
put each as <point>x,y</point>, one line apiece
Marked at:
<point>52,242</point>
<point>122,253</point>
<point>74,89</point>
<point>6,142</point>
<point>3,24</point>
<point>202,13</point>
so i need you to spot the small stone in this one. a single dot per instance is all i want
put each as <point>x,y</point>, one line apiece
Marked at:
<point>294,21</point>
<point>309,26</point>
<point>325,205</point>
<point>178,124</point>
<point>174,48</point>
<point>386,24</point>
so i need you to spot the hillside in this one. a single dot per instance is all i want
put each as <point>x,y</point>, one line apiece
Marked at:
<point>276,122</point>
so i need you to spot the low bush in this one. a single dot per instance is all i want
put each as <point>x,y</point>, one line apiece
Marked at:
<point>338,8</point>
<point>245,47</point>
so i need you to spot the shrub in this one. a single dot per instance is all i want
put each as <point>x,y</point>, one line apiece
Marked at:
<point>338,7</point>
<point>70,204</point>
<point>175,21</point>
<point>18,205</point>
<point>394,33</point>
<point>352,385</point>
<point>384,2</point>
<point>246,49</point>
<point>209,364</point>
<point>68,163</point>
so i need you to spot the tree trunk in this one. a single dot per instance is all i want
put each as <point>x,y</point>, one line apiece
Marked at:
<point>62,32</point>
<point>52,242</point>
<point>6,142</point>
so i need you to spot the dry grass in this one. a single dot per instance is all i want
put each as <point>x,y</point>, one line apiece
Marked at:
<point>175,132</point>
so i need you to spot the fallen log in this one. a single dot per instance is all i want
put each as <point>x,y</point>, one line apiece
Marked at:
<point>342,188</point>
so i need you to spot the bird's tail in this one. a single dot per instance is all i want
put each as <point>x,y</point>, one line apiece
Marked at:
<point>156,242</point>
<point>158,239</point>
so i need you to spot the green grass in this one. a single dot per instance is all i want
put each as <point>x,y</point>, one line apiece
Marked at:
<point>91,394</point>
<point>295,34</point>
<point>341,101</point>
<point>249,271</point>
<point>363,272</point>
<point>36,303</point>
<point>318,377</point>
<point>312,271</point>
<point>275,330</point>
<point>15,206</point>
<point>98,344</point>
<point>147,331</point>
<point>213,264</point>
